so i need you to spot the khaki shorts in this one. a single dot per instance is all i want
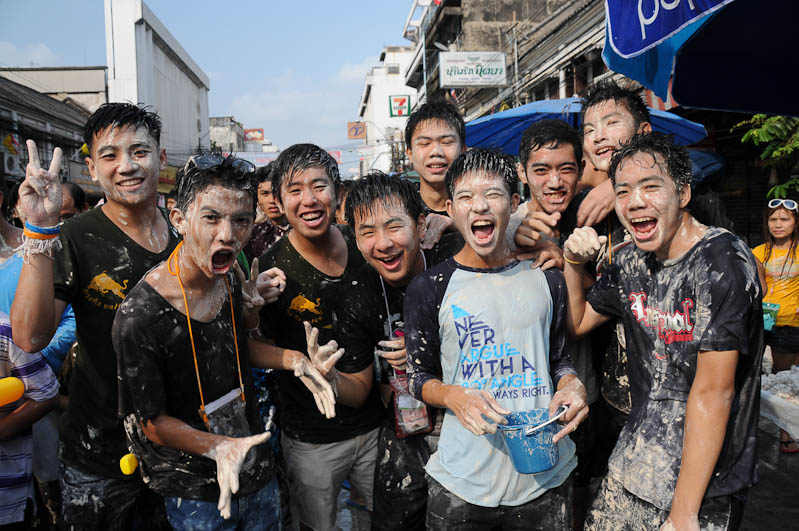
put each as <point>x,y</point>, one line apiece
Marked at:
<point>316,472</point>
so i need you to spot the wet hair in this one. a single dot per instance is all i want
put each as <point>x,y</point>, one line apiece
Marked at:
<point>300,157</point>
<point>674,158</point>
<point>436,110</point>
<point>608,89</point>
<point>770,241</point>
<point>378,189</point>
<point>77,194</point>
<point>121,115</point>
<point>344,190</point>
<point>264,173</point>
<point>487,161</point>
<point>191,180</point>
<point>550,133</point>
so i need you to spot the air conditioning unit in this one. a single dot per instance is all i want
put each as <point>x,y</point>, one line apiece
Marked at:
<point>11,165</point>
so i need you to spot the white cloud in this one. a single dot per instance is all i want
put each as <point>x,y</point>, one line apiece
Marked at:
<point>293,107</point>
<point>356,73</point>
<point>28,55</point>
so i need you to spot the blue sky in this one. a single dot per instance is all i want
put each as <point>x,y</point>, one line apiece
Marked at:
<point>295,68</point>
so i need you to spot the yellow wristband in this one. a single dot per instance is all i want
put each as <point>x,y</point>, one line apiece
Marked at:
<point>572,261</point>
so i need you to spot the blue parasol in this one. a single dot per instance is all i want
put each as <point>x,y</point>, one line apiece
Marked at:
<point>504,130</point>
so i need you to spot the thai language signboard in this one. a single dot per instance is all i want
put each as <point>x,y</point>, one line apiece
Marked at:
<point>472,69</point>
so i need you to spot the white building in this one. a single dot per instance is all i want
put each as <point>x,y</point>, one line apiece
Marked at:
<point>384,107</point>
<point>146,64</point>
<point>84,85</point>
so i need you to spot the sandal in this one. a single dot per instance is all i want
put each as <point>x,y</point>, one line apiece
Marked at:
<point>789,447</point>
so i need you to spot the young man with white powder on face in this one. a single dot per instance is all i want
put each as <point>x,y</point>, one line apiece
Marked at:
<point>690,302</point>
<point>181,340</point>
<point>484,301</point>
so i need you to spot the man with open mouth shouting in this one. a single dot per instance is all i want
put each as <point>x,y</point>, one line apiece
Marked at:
<point>181,340</point>
<point>690,301</point>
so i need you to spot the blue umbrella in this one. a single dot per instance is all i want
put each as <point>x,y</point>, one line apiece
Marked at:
<point>723,54</point>
<point>504,130</point>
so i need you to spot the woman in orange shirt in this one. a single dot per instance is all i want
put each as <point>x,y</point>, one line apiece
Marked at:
<point>779,258</point>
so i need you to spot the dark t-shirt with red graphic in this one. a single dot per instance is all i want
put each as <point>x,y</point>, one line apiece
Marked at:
<point>707,300</point>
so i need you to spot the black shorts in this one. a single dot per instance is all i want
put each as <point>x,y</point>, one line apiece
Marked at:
<point>783,339</point>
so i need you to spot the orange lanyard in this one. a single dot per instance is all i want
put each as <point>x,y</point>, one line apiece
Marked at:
<point>173,260</point>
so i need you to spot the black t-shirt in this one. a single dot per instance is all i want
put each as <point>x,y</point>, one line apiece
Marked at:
<point>156,368</point>
<point>707,300</point>
<point>93,272</point>
<point>360,315</point>
<point>309,296</point>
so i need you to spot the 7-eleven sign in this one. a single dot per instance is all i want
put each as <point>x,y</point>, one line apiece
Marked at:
<point>400,105</point>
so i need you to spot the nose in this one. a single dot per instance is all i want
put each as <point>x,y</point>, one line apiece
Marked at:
<point>437,149</point>
<point>636,200</point>
<point>598,134</point>
<point>225,233</point>
<point>126,164</point>
<point>479,203</point>
<point>307,197</point>
<point>383,242</point>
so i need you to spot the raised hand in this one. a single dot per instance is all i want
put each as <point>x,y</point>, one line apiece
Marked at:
<point>596,205</point>
<point>435,226</point>
<point>323,357</point>
<point>473,407</point>
<point>317,384</point>
<point>40,192</point>
<point>270,283</point>
<point>250,297</point>
<point>583,245</point>
<point>229,455</point>
<point>535,227</point>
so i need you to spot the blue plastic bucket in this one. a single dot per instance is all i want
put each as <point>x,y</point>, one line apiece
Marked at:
<point>534,453</point>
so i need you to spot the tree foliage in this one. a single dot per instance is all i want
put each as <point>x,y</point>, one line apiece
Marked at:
<point>779,137</point>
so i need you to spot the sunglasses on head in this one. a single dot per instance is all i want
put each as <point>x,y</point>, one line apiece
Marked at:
<point>790,204</point>
<point>207,161</point>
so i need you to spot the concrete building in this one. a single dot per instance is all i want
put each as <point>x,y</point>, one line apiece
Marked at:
<point>146,64</point>
<point>226,134</point>
<point>84,85</point>
<point>384,107</point>
<point>468,26</point>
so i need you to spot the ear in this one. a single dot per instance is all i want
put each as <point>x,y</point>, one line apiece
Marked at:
<point>408,153</point>
<point>464,149</point>
<point>92,168</point>
<point>645,127</point>
<point>178,220</point>
<point>521,174</point>
<point>685,195</point>
<point>162,157</point>
<point>580,169</point>
<point>514,202</point>
<point>449,208</point>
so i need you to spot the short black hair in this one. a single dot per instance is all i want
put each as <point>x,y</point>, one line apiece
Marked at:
<point>300,157</point>
<point>436,110</point>
<point>77,193</point>
<point>191,180</point>
<point>675,158</point>
<point>546,133</point>
<point>377,188</point>
<point>608,89</point>
<point>264,173</point>
<point>10,201</point>
<point>479,160</point>
<point>121,115</point>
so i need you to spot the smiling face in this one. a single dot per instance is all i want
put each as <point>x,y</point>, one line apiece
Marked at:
<point>552,174</point>
<point>649,204</point>
<point>309,201</point>
<point>480,209</point>
<point>606,126</point>
<point>434,146</point>
<point>268,203</point>
<point>126,161</point>
<point>215,227</point>
<point>389,240</point>
<point>781,225</point>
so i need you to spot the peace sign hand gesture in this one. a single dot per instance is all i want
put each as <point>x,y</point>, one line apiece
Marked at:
<point>40,192</point>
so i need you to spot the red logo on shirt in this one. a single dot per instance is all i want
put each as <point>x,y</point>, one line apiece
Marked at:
<point>671,326</point>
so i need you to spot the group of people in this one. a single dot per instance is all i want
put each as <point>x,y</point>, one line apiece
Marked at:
<point>397,341</point>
